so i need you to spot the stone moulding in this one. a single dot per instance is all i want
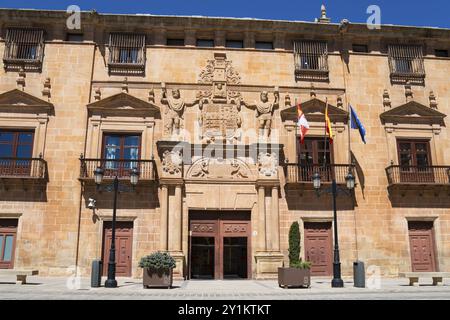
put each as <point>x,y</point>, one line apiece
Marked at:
<point>235,170</point>
<point>413,112</point>
<point>124,104</point>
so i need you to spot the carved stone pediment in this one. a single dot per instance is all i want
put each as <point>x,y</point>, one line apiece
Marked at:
<point>314,111</point>
<point>219,169</point>
<point>17,101</point>
<point>413,112</point>
<point>124,104</point>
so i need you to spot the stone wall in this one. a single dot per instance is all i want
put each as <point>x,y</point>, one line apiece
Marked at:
<point>57,230</point>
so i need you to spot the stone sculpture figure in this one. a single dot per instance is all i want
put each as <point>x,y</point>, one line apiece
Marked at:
<point>175,110</point>
<point>264,114</point>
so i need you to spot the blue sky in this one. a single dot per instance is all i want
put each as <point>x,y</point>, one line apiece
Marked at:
<point>435,13</point>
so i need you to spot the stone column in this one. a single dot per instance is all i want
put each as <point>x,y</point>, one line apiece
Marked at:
<point>274,221</point>
<point>164,217</point>
<point>190,39</point>
<point>279,41</point>
<point>159,37</point>
<point>249,40</point>
<point>261,219</point>
<point>220,38</point>
<point>291,141</point>
<point>177,239</point>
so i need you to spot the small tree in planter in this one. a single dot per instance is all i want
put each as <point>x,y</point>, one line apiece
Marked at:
<point>298,274</point>
<point>158,268</point>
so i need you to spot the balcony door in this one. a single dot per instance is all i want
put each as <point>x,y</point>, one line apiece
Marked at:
<point>315,156</point>
<point>119,151</point>
<point>16,150</point>
<point>415,161</point>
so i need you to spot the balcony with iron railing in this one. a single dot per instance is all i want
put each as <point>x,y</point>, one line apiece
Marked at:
<point>303,174</point>
<point>120,168</point>
<point>418,175</point>
<point>311,61</point>
<point>126,53</point>
<point>24,48</point>
<point>23,168</point>
<point>406,64</point>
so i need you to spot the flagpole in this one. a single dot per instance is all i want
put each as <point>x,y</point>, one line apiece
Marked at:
<point>344,73</point>
<point>325,137</point>
<point>296,138</point>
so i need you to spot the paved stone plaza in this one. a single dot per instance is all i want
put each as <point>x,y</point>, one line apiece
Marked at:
<point>131,289</point>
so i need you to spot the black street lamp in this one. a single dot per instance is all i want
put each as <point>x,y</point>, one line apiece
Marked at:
<point>111,282</point>
<point>337,281</point>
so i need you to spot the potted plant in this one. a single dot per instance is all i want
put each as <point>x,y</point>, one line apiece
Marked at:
<point>298,274</point>
<point>157,268</point>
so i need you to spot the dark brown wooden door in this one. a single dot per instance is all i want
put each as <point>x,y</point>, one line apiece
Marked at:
<point>421,242</point>
<point>118,148</point>
<point>318,243</point>
<point>220,246</point>
<point>8,231</point>
<point>124,245</point>
<point>415,161</point>
<point>315,155</point>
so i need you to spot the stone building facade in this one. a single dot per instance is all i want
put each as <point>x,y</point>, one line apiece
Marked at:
<point>205,109</point>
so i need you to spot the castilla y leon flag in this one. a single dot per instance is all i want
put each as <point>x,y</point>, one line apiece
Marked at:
<point>302,123</point>
<point>328,130</point>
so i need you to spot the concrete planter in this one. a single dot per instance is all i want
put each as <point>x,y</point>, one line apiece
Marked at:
<point>294,277</point>
<point>157,278</point>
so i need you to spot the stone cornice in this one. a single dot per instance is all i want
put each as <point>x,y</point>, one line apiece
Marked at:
<point>144,22</point>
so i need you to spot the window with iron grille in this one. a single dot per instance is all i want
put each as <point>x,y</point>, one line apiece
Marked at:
<point>406,63</point>
<point>311,60</point>
<point>126,53</point>
<point>24,47</point>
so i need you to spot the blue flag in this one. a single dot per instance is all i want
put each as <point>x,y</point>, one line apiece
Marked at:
<point>356,124</point>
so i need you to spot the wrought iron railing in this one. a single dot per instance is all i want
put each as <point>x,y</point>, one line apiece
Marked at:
<point>126,53</point>
<point>120,168</point>
<point>406,63</point>
<point>297,173</point>
<point>24,47</point>
<point>34,168</point>
<point>434,175</point>
<point>311,60</point>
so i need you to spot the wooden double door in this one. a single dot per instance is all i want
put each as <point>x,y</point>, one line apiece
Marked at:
<point>8,232</point>
<point>421,243</point>
<point>318,247</point>
<point>124,245</point>
<point>219,245</point>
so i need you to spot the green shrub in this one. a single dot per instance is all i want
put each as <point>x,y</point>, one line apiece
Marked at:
<point>301,265</point>
<point>294,243</point>
<point>158,261</point>
<point>294,248</point>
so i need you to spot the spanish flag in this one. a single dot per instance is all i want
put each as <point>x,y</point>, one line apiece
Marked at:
<point>328,130</point>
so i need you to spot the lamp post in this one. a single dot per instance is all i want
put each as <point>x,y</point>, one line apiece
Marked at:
<point>337,281</point>
<point>115,187</point>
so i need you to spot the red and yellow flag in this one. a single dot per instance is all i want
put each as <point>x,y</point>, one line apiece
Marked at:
<point>328,130</point>
<point>302,123</point>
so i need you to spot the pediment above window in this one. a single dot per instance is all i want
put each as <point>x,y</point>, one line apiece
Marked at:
<point>314,111</point>
<point>413,112</point>
<point>123,104</point>
<point>17,101</point>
